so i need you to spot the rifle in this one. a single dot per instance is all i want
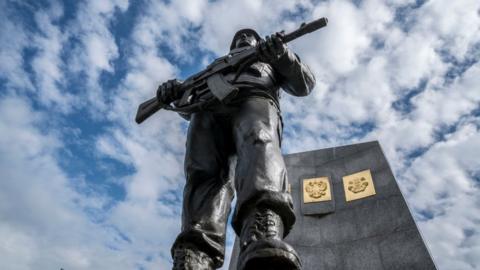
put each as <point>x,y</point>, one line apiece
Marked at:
<point>211,79</point>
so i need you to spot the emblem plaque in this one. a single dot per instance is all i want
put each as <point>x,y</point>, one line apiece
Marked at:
<point>358,185</point>
<point>316,190</point>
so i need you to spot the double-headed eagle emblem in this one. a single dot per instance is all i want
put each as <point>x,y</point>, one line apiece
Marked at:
<point>316,189</point>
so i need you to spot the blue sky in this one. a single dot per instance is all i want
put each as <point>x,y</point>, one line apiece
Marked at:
<point>83,187</point>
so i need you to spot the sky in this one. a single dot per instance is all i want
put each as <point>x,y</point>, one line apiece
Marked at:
<point>82,186</point>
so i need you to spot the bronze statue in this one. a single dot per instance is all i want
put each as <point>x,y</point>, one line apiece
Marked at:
<point>234,112</point>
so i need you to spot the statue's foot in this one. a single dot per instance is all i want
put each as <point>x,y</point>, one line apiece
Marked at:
<point>190,258</point>
<point>269,255</point>
<point>262,246</point>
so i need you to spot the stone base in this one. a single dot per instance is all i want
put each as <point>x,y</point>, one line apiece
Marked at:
<point>372,232</point>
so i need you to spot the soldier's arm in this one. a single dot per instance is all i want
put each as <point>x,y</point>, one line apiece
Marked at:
<point>296,78</point>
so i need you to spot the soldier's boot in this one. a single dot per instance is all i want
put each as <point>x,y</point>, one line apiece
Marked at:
<point>190,258</point>
<point>262,246</point>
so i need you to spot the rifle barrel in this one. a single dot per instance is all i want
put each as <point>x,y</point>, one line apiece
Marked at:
<point>305,29</point>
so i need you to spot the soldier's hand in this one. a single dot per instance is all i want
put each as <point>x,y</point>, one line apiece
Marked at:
<point>169,91</point>
<point>272,49</point>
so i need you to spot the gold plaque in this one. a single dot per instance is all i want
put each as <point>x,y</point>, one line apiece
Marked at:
<point>358,185</point>
<point>316,190</point>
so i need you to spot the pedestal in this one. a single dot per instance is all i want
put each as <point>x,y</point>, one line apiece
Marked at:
<point>350,212</point>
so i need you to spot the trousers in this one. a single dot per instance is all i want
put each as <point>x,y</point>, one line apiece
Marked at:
<point>250,132</point>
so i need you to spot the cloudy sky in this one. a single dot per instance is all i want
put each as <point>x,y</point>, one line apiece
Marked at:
<point>83,187</point>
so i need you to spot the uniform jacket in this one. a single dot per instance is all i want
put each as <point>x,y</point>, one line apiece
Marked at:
<point>262,79</point>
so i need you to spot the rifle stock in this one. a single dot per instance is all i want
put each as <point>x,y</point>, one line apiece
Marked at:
<point>147,108</point>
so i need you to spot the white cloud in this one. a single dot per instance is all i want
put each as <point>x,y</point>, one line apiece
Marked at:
<point>96,50</point>
<point>42,223</point>
<point>95,55</point>
<point>458,27</point>
<point>345,38</point>
<point>439,182</point>
<point>46,64</point>
<point>12,42</point>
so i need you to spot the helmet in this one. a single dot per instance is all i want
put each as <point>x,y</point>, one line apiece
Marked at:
<point>247,31</point>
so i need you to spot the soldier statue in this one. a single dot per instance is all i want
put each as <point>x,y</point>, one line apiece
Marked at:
<point>246,128</point>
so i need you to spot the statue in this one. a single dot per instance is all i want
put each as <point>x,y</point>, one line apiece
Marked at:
<point>238,117</point>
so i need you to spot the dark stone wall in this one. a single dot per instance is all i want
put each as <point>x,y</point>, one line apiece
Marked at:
<point>376,232</point>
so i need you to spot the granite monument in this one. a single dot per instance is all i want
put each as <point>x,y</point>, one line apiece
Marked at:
<point>351,214</point>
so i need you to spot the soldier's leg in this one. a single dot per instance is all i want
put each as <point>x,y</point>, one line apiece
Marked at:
<point>260,175</point>
<point>208,191</point>
<point>264,212</point>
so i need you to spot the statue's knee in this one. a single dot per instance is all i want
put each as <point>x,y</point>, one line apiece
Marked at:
<point>258,134</point>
